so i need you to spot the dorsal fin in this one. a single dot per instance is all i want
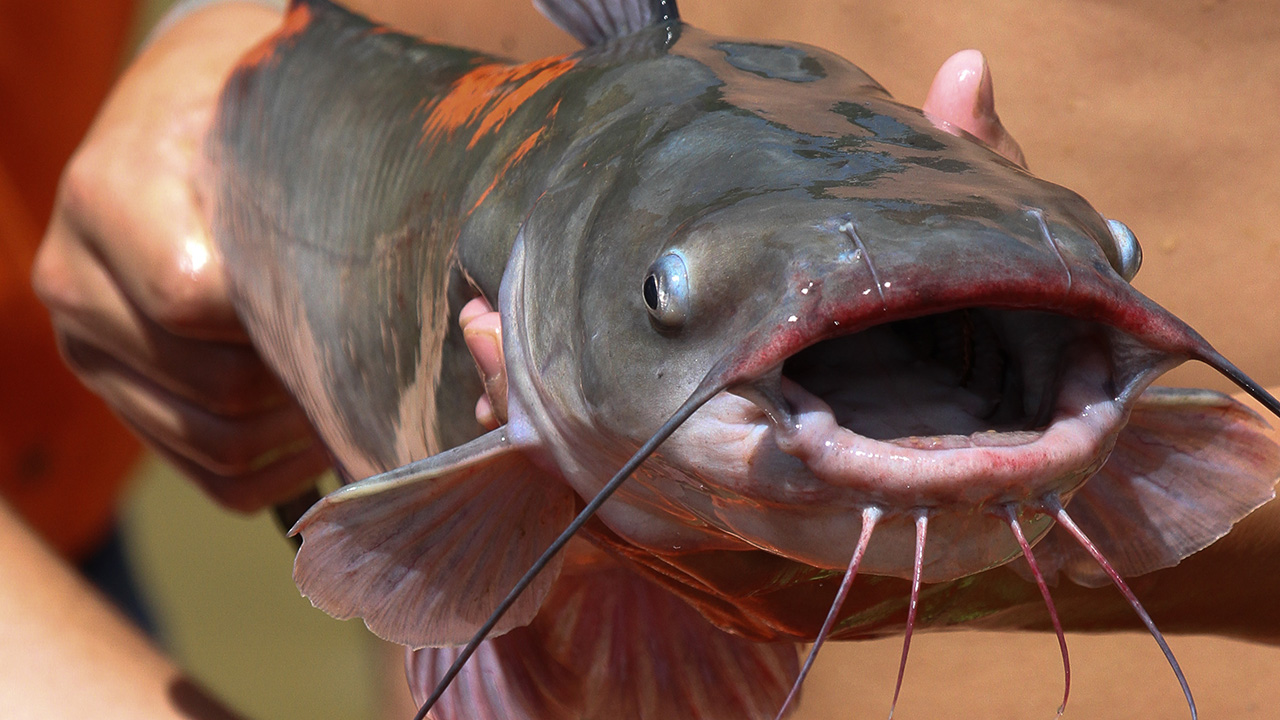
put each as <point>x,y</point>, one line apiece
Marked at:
<point>594,22</point>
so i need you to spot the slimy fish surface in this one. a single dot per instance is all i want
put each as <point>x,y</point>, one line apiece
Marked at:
<point>766,330</point>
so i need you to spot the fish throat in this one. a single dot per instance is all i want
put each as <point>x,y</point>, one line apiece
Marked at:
<point>962,378</point>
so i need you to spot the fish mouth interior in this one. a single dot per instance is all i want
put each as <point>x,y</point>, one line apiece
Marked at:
<point>970,373</point>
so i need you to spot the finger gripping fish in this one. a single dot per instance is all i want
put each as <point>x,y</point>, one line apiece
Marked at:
<point>786,326</point>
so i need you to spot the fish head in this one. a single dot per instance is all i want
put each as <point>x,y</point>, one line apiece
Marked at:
<point>891,317</point>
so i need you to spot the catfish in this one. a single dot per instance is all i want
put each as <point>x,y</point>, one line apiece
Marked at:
<point>766,330</point>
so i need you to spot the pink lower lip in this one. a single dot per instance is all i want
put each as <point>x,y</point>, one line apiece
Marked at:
<point>977,469</point>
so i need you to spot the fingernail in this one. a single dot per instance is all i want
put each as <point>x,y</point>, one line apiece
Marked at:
<point>472,310</point>
<point>485,415</point>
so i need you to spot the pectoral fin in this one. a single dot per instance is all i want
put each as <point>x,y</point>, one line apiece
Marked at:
<point>425,552</point>
<point>1187,467</point>
<point>604,626</point>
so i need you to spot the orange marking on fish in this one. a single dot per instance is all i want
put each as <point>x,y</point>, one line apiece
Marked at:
<point>295,22</point>
<point>500,87</point>
<point>507,105</point>
<point>523,149</point>
<point>516,156</point>
<point>492,184</point>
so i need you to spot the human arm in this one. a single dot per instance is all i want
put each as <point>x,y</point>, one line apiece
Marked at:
<point>68,653</point>
<point>1227,588</point>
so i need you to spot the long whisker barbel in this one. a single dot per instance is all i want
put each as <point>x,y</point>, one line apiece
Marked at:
<point>690,406</point>
<point>1011,516</point>
<point>869,517</point>
<point>922,529</point>
<point>1060,514</point>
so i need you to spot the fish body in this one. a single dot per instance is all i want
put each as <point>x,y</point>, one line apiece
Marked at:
<point>849,307</point>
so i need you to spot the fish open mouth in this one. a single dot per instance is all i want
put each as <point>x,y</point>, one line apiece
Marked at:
<point>963,378</point>
<point>973,406</point>
<point>955,415</point>
<point>971,427</point>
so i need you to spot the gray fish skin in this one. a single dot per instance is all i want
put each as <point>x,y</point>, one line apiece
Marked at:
<point>806,203</point>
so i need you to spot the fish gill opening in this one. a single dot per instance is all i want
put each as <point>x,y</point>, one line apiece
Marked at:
<point>976,372</point>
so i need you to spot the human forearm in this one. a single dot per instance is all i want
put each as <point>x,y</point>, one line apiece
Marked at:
<point>66,652</point>
<point>1227,589</point>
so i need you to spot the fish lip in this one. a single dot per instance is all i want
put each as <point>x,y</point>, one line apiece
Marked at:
<point>1089,408</point>
<point>958,471</point>
<point>762,470</point>
<point>805,505</point>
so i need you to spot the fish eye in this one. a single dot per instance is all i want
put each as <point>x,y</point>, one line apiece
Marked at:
<point>666,291</point>
<point>1128,251</point>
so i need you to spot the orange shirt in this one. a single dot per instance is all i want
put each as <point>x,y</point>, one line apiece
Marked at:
<point>63,457</point>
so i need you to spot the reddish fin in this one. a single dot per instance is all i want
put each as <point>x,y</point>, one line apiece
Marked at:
<point>1187,467</point>
<point>605,626</point>
<point>512,676</point>
<point>424,553</point>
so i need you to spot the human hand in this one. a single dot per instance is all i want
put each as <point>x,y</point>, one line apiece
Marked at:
<point>135,286</point>
<point>482,329</point>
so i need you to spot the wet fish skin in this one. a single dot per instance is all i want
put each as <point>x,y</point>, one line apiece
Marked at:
<point>430,167</point>
<point>649,124</point>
